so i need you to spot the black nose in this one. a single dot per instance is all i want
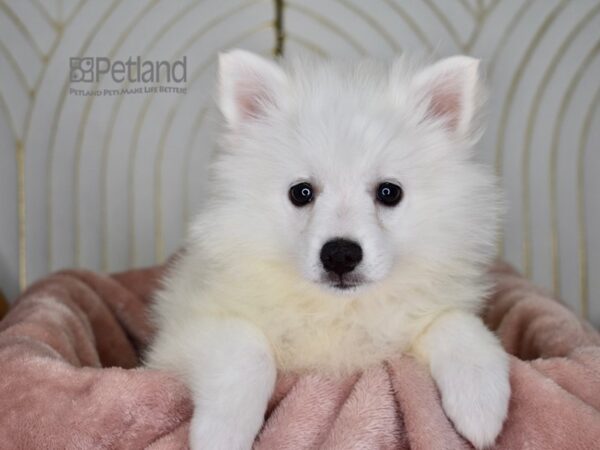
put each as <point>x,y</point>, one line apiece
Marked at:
<point>340,256</point>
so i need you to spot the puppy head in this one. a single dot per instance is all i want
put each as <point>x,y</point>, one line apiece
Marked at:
<point>349,175</point>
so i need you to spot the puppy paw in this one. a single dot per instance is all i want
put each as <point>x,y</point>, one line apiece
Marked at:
<point>214,434</point>
<point>475,397</point>
<point>471,371</point>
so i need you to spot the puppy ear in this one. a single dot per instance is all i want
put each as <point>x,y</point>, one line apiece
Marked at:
<point>451,88</point>
<point>248,86</point>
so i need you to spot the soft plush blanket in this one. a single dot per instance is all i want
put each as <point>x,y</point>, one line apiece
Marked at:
<point>69,351</point>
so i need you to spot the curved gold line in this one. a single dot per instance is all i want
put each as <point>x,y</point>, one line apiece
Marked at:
<point>80,131</point>
<point>13,62</point>
<point>514,21</point>
<point>307,44</point>
<point>11,123</point>
<point>468,46</point>
<point>328,24</point>
<point>515,81</point>
<point>9,120</point>
<point>554,164</point>
<point>190,144</point>
<point>73,12</point>
<point>19,163</point>
<point>44,12</point>
<point>445,22</point>
<point>490,7</point>
<point>159,244</point>
<point>583,257</point>
<point>376,26</point>
<point>54,130</point>
<point>61,12</point>
<point>22,28</point>
<point>21,168</point>
<point>526,156</point>
<point>480,17</point>
<point>133,145</point>
<point>472,12</point>
<point>20,157</point>
<point>112,120</point>
<point>158,209</point>
<point>411,24</point>
<point>130,190</point>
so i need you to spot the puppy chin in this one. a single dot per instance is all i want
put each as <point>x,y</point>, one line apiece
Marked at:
<point>345,285</point>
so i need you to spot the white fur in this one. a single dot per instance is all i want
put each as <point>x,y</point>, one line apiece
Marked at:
<point>248,294</point>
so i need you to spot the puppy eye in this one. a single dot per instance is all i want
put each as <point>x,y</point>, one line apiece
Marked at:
<point>301,194</point>
<point>389,194</point>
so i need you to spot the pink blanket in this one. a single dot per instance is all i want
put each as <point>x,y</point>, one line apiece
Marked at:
<point>68,379</point>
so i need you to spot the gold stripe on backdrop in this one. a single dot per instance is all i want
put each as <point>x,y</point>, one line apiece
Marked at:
<point>20,154</point>
<point>21,148</point>
<point>120,41</point>
<point>583,256</point>
<point>52,149</point>
<point>108,136</point>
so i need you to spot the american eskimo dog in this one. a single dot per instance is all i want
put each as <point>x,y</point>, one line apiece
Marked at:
<point>347,222</point>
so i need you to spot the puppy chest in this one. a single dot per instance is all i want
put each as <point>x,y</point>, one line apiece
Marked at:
<point>342,343</point>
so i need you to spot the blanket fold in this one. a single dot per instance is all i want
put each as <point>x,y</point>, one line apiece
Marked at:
<point>70,378</point>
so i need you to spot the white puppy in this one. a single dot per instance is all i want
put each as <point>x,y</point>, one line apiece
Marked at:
<point>347,223</point>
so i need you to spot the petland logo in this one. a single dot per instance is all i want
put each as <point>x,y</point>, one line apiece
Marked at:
<point>134,71</point>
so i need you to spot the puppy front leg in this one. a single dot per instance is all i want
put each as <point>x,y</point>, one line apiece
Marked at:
<point>471,371</point>
<point>232,376</point>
